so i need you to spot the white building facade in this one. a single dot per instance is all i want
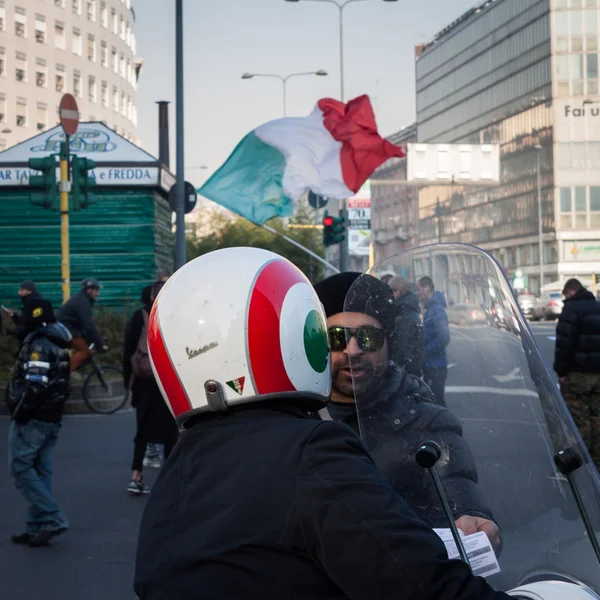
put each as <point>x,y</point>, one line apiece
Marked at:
<point>51,47</point>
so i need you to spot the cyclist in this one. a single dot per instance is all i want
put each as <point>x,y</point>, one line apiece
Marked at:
<point>77,315</point>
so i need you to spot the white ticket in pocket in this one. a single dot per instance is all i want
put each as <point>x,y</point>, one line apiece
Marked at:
<point>479,551</point>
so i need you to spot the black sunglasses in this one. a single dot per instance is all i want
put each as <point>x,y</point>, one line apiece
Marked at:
<point>368,338</point>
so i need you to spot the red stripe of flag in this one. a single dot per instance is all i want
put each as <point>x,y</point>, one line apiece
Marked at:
<point>363,149</point>
<point>177,398</point>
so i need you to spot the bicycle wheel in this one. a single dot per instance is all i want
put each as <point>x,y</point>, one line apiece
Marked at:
<point>103,390</point>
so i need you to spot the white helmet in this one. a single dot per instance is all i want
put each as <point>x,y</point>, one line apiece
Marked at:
<point>235,326</point>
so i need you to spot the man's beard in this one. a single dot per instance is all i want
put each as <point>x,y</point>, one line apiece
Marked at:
<point>364,373</point>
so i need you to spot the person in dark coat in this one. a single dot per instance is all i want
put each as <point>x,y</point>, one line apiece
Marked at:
<point>154,422</point>
<point>258,500</point>
<point>408,343</point>
<point>78,316</point>
<point>34,305</point>
<point>437,338</point>
<point>577,362</point>
<point>397,410</point>
<point>38,391</point>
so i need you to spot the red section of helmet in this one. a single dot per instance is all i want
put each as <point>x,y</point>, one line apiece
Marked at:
<point>177,398</point>
<point>266,361</point>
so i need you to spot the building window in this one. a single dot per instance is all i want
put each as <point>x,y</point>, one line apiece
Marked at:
<point>59,3</point>
<point>114,59</point>
<point>595,207</point>
<point>41,76</point>
<point>123,104</point>
<point>20,23</point>
<point>60,39</point>
<point>21,119</point>
<point>2,63</point>
<point>122,28</point>
<point>128,74</point>
<point>59,84</point>
<point>104,94</point>
<point>21,68</point>
<point>76,7</point>
<point>103,54</point>
<point>76,43</point>
<point>41,116</point>
<point>580,208</point>
<point>115,99</point>
<point>91,48</point>
<point>123,70</point>
<point>104,15</point>
<point>77,85</point>
<point>2,110</point>
<point>92,94</point>
<point>91,10</point>
<point>40,29</point>
<point>2,18</point>
<point>128,35</point>
<point>115,21</point>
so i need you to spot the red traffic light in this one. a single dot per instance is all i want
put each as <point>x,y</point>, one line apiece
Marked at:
<point>328,221</point>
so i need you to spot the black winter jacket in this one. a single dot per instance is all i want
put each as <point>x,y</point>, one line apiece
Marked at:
<point>39,386</point>
<point>260,503</point>
<point>408,342</point>
<point>26,322</point>
<point>77,315</point>
<point>395,421</point>
<point>578,335</point>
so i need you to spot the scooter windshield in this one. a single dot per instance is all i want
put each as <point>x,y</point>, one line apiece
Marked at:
<point>462,416</point>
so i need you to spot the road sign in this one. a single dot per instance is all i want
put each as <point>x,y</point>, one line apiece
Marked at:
<point>317,201</point>
<point>190,195</point>
<point>69,114</point>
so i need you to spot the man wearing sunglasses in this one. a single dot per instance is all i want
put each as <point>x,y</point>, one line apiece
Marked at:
<point>398,410</point>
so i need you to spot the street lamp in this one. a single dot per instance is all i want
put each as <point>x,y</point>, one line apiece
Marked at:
<point>538,148</point>
<point>340,7</point>
<point>284,80</point>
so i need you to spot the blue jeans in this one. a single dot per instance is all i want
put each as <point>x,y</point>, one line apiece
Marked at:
<point>30,463</point>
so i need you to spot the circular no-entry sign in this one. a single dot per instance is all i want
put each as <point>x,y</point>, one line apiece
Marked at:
<point>69,114</point>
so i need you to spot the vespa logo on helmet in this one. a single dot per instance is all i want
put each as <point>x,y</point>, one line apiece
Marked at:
<point>193,353</point>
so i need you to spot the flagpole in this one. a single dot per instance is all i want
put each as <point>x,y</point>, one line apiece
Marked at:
<point>301,247</point>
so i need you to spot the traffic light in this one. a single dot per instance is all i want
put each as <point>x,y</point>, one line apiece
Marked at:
<point>43,187</point>
<point>82,182</point>
<point>334,230</point>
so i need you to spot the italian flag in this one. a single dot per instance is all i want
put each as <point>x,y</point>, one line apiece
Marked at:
<point>332,152</point>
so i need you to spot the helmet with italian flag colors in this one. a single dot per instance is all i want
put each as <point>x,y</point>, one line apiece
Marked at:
<point>235,326</point>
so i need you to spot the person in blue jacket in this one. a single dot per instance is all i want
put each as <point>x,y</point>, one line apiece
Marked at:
<point>437,337</point>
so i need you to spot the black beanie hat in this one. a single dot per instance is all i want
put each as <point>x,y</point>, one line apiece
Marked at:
<point>369,296</point>
<point>28,285</point>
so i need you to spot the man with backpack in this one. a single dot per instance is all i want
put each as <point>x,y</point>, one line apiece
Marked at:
<point>154,421</point>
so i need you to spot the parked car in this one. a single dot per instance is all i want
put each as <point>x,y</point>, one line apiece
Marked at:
<point>466,314</point>
<point>527,303</point>
<point>548,306</point>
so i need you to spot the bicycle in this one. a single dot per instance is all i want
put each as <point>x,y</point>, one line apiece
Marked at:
<point>107,382</point>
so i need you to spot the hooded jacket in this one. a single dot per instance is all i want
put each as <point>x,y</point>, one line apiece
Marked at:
<point>395,420</point>
<point>436,332</point>
<point>39,387</point>
<point>578,335</point>
<point>36,309</point>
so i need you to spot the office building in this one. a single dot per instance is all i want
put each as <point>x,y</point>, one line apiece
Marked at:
<point>522,74</point>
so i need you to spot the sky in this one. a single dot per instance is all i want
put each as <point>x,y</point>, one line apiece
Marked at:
<point>225,38</point>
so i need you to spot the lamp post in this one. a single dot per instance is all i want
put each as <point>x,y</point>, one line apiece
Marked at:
<point>180,252</point>
<point>538,149</point>
<point>341,7</point>
<point>284,80</point>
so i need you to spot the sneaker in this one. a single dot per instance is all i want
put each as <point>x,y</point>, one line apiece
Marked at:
<point>138,488</point>
<point>152,462</point>
<point>21,538</point>
<point>43,537</point>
